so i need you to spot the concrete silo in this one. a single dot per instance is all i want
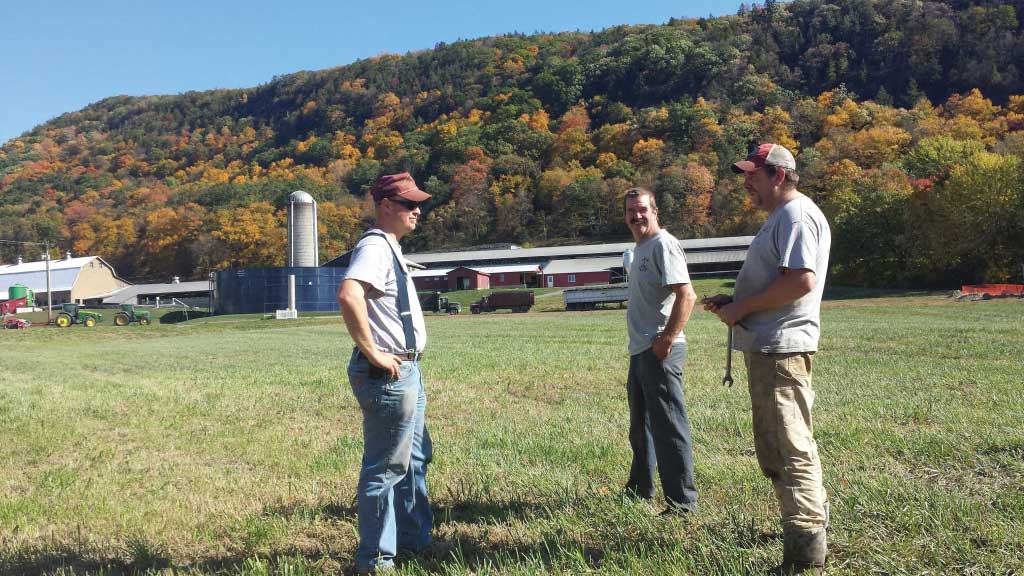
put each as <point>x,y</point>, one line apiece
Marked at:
<point>303,245</point>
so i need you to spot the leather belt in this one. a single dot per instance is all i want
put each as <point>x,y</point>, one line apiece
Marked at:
<point>409,355</point>
<point>406,356</point>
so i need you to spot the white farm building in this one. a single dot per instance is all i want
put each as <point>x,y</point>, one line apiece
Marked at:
<point>86,279</point>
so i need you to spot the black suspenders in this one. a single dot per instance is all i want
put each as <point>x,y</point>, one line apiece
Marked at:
<point>401,282</point>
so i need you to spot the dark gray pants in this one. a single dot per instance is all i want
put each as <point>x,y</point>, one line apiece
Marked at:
<point>659,431</point>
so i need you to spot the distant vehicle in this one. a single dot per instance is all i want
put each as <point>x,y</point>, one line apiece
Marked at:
<point>516,301</point>
<point>128,314</point>
<point>588,297</point>
<point>435,302</point>
<point>73,314</point>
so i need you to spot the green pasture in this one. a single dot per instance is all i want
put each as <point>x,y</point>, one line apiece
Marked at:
<point>231,445</point>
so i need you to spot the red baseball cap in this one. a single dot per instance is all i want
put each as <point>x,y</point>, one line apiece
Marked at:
<point>397,185</point>
<point>766,155</point>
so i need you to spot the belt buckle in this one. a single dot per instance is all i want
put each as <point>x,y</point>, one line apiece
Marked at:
<point>410,354</point>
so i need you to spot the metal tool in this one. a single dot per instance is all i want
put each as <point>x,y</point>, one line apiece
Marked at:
<point>727,379</point>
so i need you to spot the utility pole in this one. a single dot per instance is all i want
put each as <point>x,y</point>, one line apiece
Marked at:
<point>49,293</point>
<point>46,256</point>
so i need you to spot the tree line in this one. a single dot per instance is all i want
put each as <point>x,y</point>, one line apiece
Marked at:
<point>907,120</point>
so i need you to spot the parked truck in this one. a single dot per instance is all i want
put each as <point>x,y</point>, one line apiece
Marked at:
<point>516,301</point>
<point>435,302</point>
<point>588,297</point>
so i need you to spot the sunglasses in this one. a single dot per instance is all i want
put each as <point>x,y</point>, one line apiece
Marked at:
<point>407,204</point>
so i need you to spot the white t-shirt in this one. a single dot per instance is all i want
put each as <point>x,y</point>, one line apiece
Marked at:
<point>373,263</point>
<point>796,236</point>
<point>658,263</point>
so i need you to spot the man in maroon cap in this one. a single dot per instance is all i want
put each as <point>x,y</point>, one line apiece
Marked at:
<point>382,313</point>
<point>775,314</point>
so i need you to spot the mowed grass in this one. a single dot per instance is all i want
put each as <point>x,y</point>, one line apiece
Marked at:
<point>232,446</point>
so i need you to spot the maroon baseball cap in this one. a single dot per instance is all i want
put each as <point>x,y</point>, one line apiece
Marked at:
<point>397,185</point>
<point>766,155</point>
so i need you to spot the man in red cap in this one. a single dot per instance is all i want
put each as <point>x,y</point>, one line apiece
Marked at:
<point>775,315</point>
<point>382,313</point>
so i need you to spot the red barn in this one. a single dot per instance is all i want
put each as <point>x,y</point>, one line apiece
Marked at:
<point>463,278</point>
<point>522,275</point>
<point>579,271</point>
<point>430,280</point>
<point>482,277</point>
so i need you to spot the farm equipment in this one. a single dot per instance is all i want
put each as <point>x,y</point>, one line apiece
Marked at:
<point>10,306</point>
<point>435,302</point>
<point>128,314</point>
<point>516,301</point>
<point>73,314</point>
<point>13,323</point>
<point>588,297</point>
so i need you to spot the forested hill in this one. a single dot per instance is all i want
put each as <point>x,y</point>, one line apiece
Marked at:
<point>907,116</point>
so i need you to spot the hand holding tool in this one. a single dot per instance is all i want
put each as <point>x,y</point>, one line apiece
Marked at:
<point>727,379</point>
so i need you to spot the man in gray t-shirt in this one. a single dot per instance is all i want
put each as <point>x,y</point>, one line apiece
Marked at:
<point>382,313</point>
<point>774,312</point>
<point>660,302</point>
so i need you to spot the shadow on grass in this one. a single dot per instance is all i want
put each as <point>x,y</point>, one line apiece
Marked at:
<point>475,557</point>
<point>178,316</point>
<point>549,551</point>
<point>141,556</point>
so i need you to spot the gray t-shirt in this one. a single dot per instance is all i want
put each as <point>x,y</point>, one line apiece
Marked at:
<point>658,263</point>
<point>796,236</point>
<point>372,262</point>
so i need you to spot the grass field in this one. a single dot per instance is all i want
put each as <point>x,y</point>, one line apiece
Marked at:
<point>232,446</point>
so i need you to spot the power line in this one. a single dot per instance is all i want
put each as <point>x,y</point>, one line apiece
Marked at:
<point>2,241</point>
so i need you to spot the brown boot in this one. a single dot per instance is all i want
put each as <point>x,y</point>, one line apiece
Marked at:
<point>803,552</point>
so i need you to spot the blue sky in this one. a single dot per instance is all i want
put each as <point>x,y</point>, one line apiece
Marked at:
<point>60,56</point>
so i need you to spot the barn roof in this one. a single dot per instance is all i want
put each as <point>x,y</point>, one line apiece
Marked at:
<point>63,274</point>
<point>580,265</point>
<point>510,269</point>
<point>430,272</point>
<point>169,288</point>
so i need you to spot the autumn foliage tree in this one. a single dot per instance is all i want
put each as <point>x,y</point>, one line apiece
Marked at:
<point>250,236</point>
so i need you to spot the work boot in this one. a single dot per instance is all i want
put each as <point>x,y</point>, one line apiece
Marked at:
<point>803,552</point>
<point>680,510</point>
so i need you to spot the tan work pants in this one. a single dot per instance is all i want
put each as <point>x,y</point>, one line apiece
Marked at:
<point>781,398</point>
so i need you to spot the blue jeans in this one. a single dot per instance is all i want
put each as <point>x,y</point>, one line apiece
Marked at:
<point>659,430</point>
<point>392,505</point>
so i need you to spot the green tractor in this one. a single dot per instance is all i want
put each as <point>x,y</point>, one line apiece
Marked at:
<point>128,314</point>
<point>73,314</point>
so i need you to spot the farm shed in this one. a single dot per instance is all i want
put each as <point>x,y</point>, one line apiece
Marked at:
<point>196,293</point>
<point>463,278</point>
<point>580,271</point>
<point>430,279</point>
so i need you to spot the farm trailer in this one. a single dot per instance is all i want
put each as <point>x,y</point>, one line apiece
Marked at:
<point>516,301</point>
<point>588,297</point>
